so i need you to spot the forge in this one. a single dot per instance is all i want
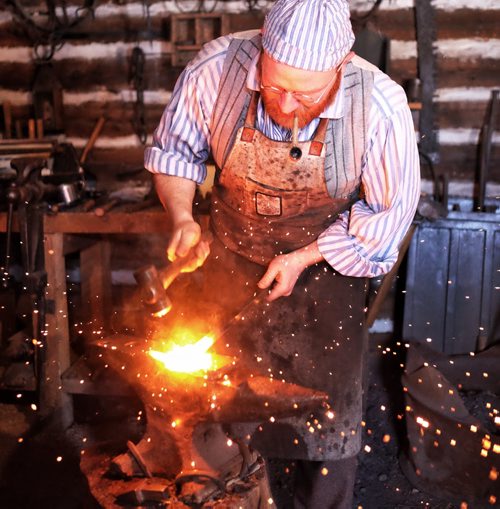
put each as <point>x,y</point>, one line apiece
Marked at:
<point>186,455</point>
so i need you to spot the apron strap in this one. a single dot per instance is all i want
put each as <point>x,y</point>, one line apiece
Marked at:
<point>319,138</point>
<point>249,127</point>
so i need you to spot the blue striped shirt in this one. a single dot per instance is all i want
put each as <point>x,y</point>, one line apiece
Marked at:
<point>364,240</point>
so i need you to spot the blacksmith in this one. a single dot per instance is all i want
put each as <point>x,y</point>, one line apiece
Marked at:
<point>317,181</point>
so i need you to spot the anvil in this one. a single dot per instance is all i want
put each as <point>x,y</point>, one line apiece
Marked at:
<point>175,404</point>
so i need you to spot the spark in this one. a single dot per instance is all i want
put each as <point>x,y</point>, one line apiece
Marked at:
<point>422,422</point>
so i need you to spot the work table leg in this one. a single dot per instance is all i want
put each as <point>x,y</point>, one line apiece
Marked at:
<point>53,400</point>
<point>95,272</point>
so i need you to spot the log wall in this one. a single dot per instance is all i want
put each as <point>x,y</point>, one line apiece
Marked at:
<point>94,63</point>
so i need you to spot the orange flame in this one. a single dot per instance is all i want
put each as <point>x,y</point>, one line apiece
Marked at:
<point>187,359</point>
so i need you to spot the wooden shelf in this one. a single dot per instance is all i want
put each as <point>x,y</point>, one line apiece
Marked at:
<point>191,31</point>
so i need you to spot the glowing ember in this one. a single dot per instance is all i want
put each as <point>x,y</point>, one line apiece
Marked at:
<point>188,358</point>
<point>160,314</point>
<point>422,422</point>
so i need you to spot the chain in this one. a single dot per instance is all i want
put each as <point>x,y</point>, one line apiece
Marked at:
<point>137,78</point>
<point>48,37</point>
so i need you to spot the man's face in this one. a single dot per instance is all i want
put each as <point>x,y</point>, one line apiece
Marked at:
<point>288,92</point>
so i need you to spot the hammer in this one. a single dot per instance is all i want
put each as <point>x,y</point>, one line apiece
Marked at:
<point>154,282</point>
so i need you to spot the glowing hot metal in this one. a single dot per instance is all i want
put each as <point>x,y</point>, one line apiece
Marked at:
<point>187,359</point>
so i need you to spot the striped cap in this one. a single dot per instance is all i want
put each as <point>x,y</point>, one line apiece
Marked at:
<point>314,35</point>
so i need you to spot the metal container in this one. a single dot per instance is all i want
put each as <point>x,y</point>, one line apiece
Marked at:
<point>452,299</point>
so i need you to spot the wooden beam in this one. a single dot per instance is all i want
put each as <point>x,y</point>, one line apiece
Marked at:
<point>113,222</point>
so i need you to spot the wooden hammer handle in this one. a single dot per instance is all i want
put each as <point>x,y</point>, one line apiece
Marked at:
<point>169,273</point>
<point>100,211</point>
<point>93,138</point>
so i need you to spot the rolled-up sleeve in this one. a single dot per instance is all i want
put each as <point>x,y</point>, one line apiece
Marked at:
<point>181,140</point>
<point>364,241</point>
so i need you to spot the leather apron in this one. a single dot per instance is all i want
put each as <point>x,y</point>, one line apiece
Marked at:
<point>265,203</point>
<point>270,202</point>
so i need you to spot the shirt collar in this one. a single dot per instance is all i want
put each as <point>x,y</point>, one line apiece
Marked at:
<point>333,110</point>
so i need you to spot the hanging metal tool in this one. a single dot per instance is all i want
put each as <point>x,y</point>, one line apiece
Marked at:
<point>25,196</point>
<point>137,78</point>
<point>426,36</point>
<point>485,149</point>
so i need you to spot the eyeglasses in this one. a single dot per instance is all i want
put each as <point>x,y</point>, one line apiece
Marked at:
<point>298,96</point>
<point>307,98</point>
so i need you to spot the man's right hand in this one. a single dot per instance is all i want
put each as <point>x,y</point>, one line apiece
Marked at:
<point>176,194</point>
<point>187,241</point>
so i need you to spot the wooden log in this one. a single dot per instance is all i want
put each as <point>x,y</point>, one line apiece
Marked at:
<point>79,74</point>
<point>460,162</point>
<point>399,24</point>
<point>467,114</point>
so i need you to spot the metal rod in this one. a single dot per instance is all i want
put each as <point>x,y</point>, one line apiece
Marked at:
<point>485,151</point>
<point>10,215</point>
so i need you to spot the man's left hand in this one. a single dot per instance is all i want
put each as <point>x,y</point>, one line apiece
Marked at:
<point>285,269</point>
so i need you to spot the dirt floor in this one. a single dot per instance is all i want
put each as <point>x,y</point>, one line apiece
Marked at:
<point>40,468</point>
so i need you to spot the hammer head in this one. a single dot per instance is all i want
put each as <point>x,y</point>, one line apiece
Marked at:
<point>153,294</point>
<point>154,283</point>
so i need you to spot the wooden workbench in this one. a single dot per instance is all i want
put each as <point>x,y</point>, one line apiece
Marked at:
<point>88,234</point>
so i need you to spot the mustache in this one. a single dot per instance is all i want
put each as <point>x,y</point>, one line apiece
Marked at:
<point>286,119</point>
<point>304,114</point>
